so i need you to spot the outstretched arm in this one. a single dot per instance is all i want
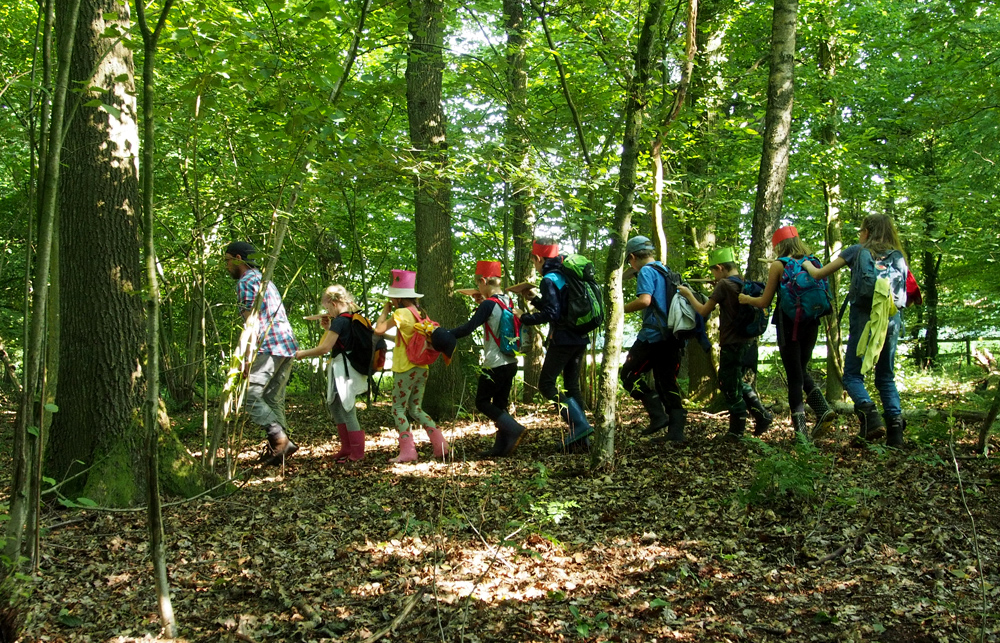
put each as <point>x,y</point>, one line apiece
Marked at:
<point>773,279</point>
<point>702,309</point>
<point>828,269</point>
<point>326,345</point>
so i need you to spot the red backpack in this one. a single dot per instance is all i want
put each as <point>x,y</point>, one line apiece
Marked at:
<point>419,350</point>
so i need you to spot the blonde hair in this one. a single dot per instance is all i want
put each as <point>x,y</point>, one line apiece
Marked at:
<point>882,235</point>
<point>791,247</point>
<point>336,294</point>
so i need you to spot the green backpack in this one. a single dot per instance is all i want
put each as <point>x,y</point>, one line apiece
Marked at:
<point>584,300</point>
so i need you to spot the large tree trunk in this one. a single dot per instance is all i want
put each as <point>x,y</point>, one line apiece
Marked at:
<point>607,399</point>
<point>432,193</point>
<point>518,188</point>
<point>777,130</point>
<point>100,394</point>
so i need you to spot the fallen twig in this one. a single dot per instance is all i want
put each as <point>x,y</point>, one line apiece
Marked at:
<point>410,604</point>
<point>840,551</point>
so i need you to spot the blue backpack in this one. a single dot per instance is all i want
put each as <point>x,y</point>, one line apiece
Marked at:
<point>801,297</point>
<point>750,320</point>
<point>508,338</point>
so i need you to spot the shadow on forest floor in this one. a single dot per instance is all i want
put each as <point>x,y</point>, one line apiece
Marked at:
<point>710,541</point>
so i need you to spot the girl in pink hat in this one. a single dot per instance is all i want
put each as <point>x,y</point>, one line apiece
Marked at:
<point>796,337</point>
<point>408,380</point>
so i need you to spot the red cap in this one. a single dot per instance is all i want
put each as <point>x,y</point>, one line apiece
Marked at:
<point>546,252</point>
<point>488,269</point>
<point>781,234</point>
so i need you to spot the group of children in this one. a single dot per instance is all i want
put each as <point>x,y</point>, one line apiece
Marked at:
<point>875,326</point>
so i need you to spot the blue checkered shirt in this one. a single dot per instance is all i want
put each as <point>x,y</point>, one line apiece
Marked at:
<point>277,337</point>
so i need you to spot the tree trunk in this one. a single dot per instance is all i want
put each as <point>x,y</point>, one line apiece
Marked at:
<point>24,500</point>
<point>518,189</point>
<point>930,265</point>
<point>607,400</point>
<point>101,345</point>
<point>777,130</point>
<point>834,240</point>
<point>432,194</point>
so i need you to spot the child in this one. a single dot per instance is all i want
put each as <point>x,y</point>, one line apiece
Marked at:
<point>499,368</point>
<point>408,381</point>
<point>796,339</point>
<point>879,243</point>
<point>565,347</point>
<point>653,349</point>
<point>734,345</point>
<point>344,383</point>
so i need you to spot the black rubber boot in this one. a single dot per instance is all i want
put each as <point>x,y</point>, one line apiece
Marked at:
<point>825,416</point>
<point>737,426</point>
<point>762,418</point>
<point>894,431</point>
<point>658,419</point>
<point>870,423</point>
<point>800,426</point>
<point>675,429</point>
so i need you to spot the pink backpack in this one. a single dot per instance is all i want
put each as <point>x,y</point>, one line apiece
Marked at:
<point>419,350</point>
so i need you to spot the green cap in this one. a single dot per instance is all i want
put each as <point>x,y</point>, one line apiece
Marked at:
<point>721,255</point>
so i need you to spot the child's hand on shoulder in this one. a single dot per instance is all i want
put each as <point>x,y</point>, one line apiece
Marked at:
<point>682,289</point>
<point>745,299</point>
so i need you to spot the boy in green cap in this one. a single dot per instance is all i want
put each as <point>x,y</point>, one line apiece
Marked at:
<point>735,347</point>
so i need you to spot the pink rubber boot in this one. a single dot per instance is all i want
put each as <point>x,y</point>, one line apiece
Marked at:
<point>407,452</point>
<point>356,440</point>
<point>344,445</point>
<point>438,441</point>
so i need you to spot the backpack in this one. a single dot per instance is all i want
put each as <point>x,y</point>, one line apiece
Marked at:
<point>802,298</point>
<point>584,301</point>
<point>509,327</point>
<point>419,350</point>
<point>871,268</point>
<point>360,349</point>
<point>750,320</point>
<point>681,318</point>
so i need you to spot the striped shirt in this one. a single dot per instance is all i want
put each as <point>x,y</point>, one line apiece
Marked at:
<point>277,337</point>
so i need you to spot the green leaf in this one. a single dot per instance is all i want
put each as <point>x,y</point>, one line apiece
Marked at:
<point>111,109</point>
<point>33,430</point>
<point>69,620</point>
<point>658,602</point>
<point>51,408</point>
<point>110,15</point>
<point>86,502</point>
<point>66,502</point>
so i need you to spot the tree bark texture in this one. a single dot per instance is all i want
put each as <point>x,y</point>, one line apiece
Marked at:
<point>777,130</point>
<point>635,102</point>
<point>432,194</point>
<point>101,343</point>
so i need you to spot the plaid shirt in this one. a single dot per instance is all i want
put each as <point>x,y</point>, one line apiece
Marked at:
<point>277,337</point>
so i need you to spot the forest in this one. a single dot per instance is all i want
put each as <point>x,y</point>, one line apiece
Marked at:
<point>345,140</point>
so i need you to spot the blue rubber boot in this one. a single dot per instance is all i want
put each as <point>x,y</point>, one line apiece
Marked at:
<point>579,427</point>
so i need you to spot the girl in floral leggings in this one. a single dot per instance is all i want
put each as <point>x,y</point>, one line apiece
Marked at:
<point>408,380</point>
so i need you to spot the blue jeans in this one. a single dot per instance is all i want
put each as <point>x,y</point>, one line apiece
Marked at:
<point>885,369</point>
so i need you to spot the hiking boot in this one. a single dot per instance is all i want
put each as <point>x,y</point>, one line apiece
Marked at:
<point>870,424</point>
<point>737,425</point>
<point>825,416</point>
<point>279,446</point>
<point>675,430</point>
<point>894,431</point>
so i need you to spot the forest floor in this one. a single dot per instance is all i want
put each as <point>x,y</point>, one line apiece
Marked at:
<point>710,541</point>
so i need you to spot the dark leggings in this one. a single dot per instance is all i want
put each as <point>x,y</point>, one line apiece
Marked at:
<point>795,356</point>
<point>663,358</point>
<point>566,360</point>
<point>493,394</point>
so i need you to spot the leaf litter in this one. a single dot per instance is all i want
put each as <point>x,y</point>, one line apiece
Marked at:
<point>666,546</point>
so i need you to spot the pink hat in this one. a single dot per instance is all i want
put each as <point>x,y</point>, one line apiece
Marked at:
<point>488,269</point>
<point>402,285</point>
<point>781,234</point>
